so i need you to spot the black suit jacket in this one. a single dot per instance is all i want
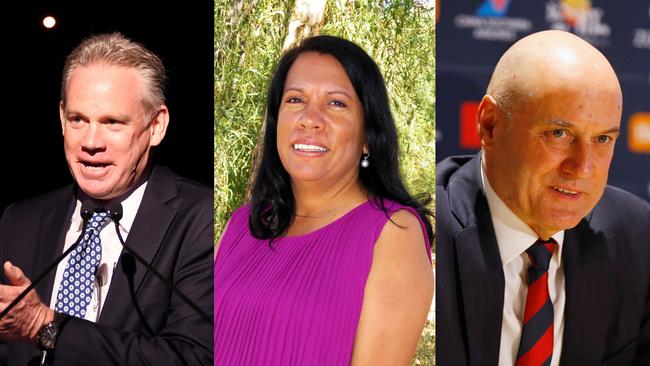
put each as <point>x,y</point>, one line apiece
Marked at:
<point>606,260</point>
<point>142,322</point>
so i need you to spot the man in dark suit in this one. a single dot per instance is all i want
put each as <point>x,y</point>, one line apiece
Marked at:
<point>538,261</point>
<point>106,308</point>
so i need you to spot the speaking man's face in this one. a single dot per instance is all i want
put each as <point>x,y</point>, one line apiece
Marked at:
<point>108,134</point>
<point>550,160</point>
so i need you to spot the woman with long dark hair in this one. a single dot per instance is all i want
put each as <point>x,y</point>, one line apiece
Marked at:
<point>329,264</point>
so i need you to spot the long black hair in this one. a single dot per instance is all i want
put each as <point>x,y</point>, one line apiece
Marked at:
<point>272,200</point>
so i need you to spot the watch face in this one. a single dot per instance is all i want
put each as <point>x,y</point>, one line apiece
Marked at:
<point>47,336</point>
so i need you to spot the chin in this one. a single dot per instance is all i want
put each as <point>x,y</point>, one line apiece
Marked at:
<point>95,192</point>
<point>564,216</point>
<point>564,222</point>
<point>307,175</point>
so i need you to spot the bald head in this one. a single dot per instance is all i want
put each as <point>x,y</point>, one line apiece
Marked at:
<point>549,60</point>
<point>547,128</point>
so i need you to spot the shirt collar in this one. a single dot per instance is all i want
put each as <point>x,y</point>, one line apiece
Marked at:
<point>513,235</point>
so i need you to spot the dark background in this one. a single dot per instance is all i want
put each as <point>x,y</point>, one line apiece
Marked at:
<point>465,63</point>
<point>180,33</point>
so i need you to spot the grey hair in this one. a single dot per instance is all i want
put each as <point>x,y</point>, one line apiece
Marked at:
<point>116,50</point>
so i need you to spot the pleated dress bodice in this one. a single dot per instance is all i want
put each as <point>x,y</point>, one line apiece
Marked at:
<point>296,301</point>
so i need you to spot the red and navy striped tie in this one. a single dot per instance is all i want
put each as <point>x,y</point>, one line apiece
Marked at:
<point>536,346</point>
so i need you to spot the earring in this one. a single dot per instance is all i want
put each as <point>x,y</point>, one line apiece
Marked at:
<point>365,163</point>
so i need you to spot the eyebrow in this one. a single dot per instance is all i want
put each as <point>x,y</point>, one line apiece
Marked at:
<point>566,124</point>
<point>72,113</point>
<point>123,118</point>
<point>560,123</point>
<point>329,92</point>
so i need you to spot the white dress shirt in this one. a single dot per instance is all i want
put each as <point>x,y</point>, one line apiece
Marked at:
<point>513,238</point>
<point>111,250</point>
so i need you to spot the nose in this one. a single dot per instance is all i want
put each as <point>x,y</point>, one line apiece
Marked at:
<point>92,140</point>
<point>580,160</point>
<point>312,119</point>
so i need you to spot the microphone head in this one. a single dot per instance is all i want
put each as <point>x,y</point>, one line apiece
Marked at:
<point>114,210</point>
<point>101,274</point>
<point>87,209</point>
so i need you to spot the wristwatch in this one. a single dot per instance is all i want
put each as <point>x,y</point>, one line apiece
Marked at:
<point>49,333</point>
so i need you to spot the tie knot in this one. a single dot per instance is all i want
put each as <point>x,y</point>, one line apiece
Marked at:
<point>98,221</point>
<point>541,252</point>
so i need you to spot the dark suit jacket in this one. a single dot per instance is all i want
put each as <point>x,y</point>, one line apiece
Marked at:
<point>606,260</point>
<point>173,230</point>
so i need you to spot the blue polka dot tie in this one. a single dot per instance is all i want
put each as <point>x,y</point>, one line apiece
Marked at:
<point>76,289</point>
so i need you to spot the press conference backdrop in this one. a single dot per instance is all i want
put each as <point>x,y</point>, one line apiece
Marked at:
<point>472,35</point>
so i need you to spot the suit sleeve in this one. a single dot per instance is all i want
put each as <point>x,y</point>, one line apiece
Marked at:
<point>4,358</point>
<point>183,337</point>
<point>643,352</point>
<point>643,340</point>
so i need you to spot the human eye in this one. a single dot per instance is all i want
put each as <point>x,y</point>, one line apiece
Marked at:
<point>114,124</point>
<point>603,139</point>
<point>558,133</point>
<point>338,103</point>
<point>293,100</point>
<point>558,137</point>
<point>75,120</point>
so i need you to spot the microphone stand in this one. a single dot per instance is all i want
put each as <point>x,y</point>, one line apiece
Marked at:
<point>87,209</point>
<point>115,211</point>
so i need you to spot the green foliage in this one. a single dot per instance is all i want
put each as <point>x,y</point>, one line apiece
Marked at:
<point>400,37</point>
<point>248,40</point>
<point>426,354</point>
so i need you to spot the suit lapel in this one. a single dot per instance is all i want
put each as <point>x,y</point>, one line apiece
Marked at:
<point>589,278</point>
<point>52,228</point>
<point>588,263</point>
<point>479,265</point>
<point>51,238</point>
<point>147,233</point>
<point>482,283</point>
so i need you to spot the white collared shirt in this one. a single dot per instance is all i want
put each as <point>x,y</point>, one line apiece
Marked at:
<point>111,250</point>
<point>513,238</point>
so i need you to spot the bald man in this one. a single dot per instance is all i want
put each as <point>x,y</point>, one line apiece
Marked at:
<point>539,262</point>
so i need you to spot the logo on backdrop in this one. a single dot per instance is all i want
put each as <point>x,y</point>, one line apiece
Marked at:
<point>638,133</point>
<point>491,23</point>
<point>579,17</point>
<point>642,36</point>
<point>468,136</point>
<point>493,8</point>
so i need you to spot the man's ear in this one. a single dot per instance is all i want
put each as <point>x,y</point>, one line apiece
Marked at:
<point>158,126</point>
<point>62,116</point>
<point>487,120</point>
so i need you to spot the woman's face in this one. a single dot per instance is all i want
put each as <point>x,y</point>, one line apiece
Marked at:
<point>320,123</point>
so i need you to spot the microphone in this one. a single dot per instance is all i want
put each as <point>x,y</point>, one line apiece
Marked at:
<point>114,210</point>
<point>87,209</point>
<point>101,276</point>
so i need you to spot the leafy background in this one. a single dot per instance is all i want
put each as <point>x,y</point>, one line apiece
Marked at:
<point>249,35</point>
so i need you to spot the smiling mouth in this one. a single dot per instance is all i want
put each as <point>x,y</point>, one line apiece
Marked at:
<point>565,191</point>
<point>309,148</point>
<point>94,166</point>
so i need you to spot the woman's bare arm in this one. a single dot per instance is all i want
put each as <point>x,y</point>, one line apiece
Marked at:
<point>397,296</point>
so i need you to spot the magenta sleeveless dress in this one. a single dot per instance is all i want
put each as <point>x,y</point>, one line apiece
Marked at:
<point>297,302</point>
